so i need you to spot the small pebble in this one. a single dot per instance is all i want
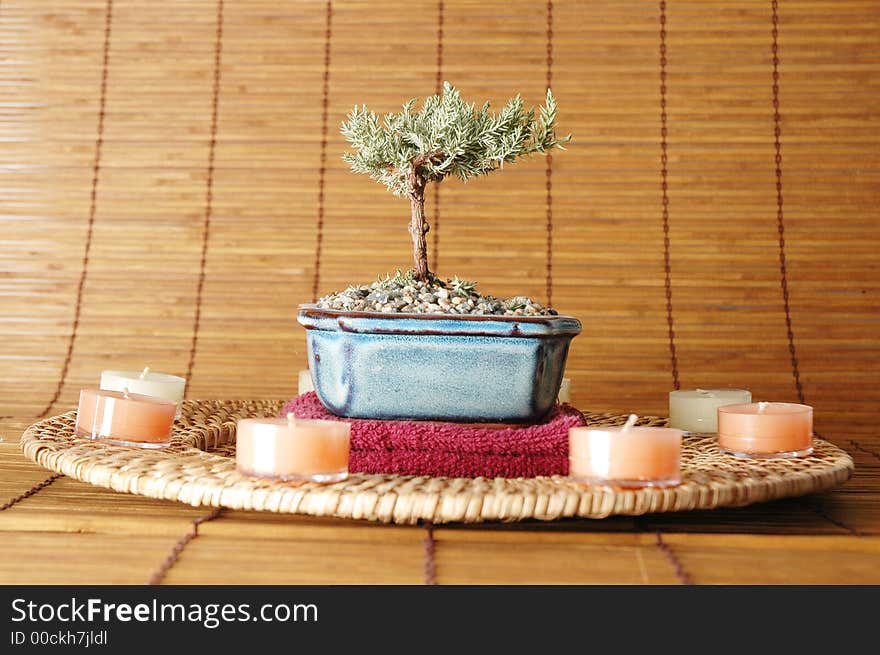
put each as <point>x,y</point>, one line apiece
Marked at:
<point>405,295</point>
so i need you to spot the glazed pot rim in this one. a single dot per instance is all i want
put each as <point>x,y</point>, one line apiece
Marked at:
<point>376,323</point>
<point>312,310</point>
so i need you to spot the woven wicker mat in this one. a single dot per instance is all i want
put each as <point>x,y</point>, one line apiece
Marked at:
<point>199,469</point>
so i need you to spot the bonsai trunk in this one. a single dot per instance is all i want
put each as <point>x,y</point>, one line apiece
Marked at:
<point>418,228</point>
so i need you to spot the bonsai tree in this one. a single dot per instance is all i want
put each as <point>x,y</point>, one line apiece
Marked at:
<point>447,136</point>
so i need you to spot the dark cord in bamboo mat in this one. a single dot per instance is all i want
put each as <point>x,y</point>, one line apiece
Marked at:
<point>322,168</point>
<point>430,550</point>
<point>438,87</point>
<point>549,169</point>
<point>30,492</point>
<point>855,444</point>
<point>678,568</point>
<point>868,451</point>
<point>818,511</point>
<point>93,204</point>
<point>780,227</point>
<point>665,190</point>
<point>780,223</point>
<point>683,576</point>
<point>209,195</point>
<point>178,548</point>
<point>777,132</point>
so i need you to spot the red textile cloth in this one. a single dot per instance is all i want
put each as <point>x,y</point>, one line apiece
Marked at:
<point>452,449</point>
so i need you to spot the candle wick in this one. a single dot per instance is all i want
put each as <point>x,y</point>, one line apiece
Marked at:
<point>291,417</point>
<point>631,421</point>
<point>125,392</point>
<point>703,392</point>
<point>145,372</point>
<point>762,406</point>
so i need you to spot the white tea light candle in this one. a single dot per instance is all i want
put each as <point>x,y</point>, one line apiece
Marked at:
<point>305,382</point>
<point>565,391</point>
<point>696,410</point>
<point>145,383</point>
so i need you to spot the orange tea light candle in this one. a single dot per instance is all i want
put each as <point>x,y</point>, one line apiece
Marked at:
<point>126,419</point>
<point>293,449</point>
<point>625,456</point>
<point>766,430</point>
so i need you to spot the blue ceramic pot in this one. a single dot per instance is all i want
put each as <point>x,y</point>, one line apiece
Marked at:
<point>437,367</point>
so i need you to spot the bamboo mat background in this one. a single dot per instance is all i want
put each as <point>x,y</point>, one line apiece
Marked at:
<point>171,169</point>
<point>172,189</point>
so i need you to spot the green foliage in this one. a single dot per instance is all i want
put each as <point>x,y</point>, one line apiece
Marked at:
<point>447,136</point>
<point>399,279</point>
<point>517,302</point>
<point>463,288</point>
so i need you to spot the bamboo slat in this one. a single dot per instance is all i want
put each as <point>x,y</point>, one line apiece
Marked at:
<point>258,561</point>
<point>71,559</point>
<point>541,562</point>
<point>720,559</point>
<point>609,559</point>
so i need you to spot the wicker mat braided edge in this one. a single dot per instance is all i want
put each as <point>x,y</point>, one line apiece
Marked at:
<point>199,469</point>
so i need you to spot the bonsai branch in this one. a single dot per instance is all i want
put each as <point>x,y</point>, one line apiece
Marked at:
<point>418,228</point>
<point>446,137</point>
<point>417,179</point>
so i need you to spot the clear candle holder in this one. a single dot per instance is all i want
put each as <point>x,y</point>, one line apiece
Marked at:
<point>125,419</point>
<point>625,456</point>
<point>765,430</point>
<point>292,449</point>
